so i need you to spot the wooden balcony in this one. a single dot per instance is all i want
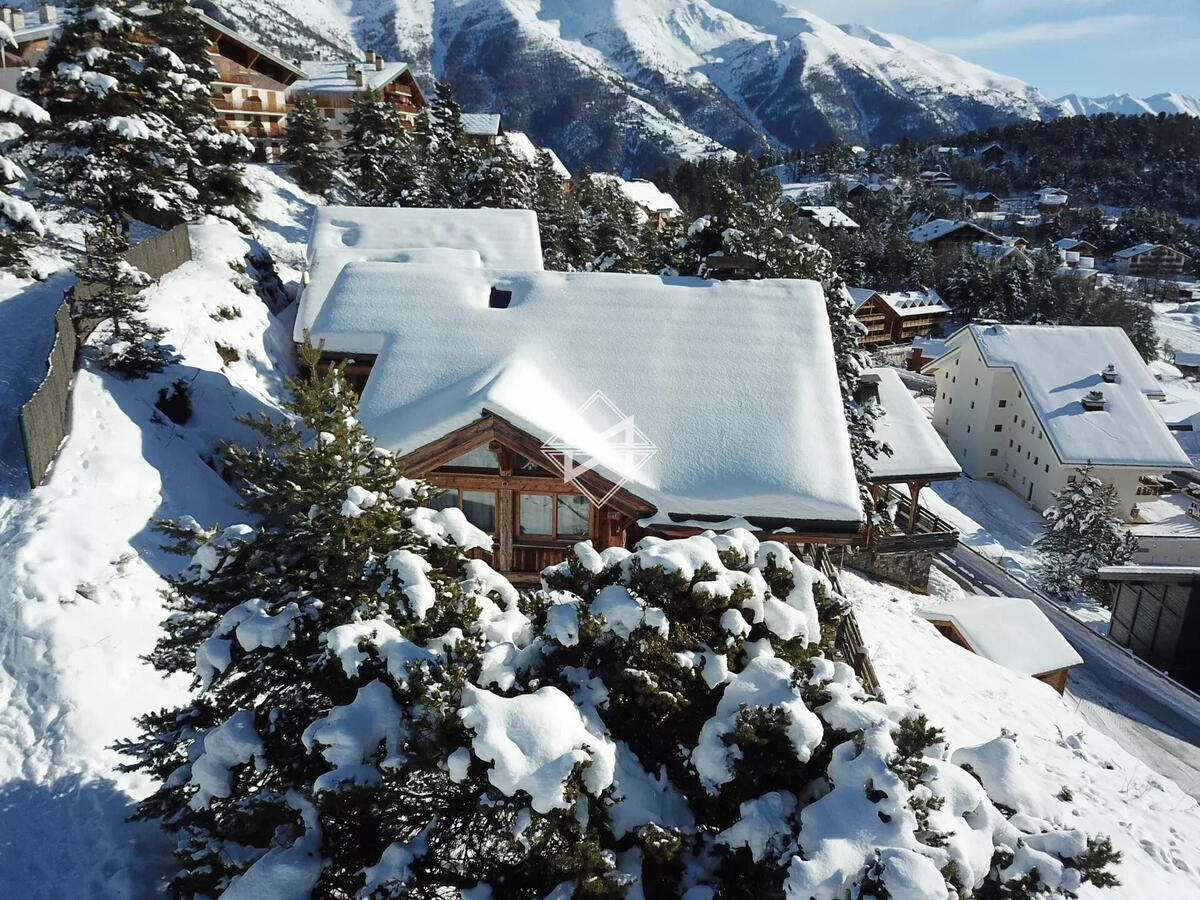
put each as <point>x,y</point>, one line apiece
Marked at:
<point>929,533</point>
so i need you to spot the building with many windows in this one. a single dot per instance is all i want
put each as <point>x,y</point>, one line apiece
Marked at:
<point>1025,405</point>
<point>336,84</point>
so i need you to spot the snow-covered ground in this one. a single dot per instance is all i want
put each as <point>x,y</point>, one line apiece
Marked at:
<point>81,566</point>
<point>1151,820</point>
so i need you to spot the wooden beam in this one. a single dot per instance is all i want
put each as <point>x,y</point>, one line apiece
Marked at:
<point>504,529</point>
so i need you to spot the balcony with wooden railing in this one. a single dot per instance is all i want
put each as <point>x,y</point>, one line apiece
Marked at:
<point>926,532</point>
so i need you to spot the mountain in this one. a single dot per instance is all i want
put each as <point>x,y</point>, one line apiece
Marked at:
<point>1128,105</point>
<point>627,84</point>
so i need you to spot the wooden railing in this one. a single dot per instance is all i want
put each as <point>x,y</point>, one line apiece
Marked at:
<point>931,533</point>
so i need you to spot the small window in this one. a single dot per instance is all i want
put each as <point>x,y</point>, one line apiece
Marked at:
<point>329,113</point>
<point>1035,460</point>
<point>1047,468</point>
<point>1070,479</point>
<point>998,428</point>
<point>1019,395</point>
<point>1022,423</point>
<point>968,429</point>
<point>574,513</point>
<point>950,402</point>
<point>995,452</point>
<point>1010,443</point>
<point>976,382</point>
<point>972,404</point>
<point>480,509</point>
<point>1014,420</point>
<point>1027,454</point>
<point>954,380</point>
<point>991,474</point>
<point>943,395</point>
<point>1003,403</point>
<point>537,515</point>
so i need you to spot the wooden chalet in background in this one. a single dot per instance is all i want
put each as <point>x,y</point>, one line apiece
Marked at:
<point>335,84</point>
<point>897,318</point>
<point>32,37</point>
<point>948,235</point>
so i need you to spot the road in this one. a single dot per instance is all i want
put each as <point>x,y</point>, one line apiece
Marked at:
<point>1155,719</point>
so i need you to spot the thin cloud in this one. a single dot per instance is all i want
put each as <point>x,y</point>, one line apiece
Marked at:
<point>1041,33</point>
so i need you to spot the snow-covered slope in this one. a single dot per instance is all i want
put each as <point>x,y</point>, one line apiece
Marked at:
<point>623,83</point>
<point>1128,105</point>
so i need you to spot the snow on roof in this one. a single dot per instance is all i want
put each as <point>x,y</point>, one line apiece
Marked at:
<point>1057,365</point>
<point>860,296</point>
<point>481,124</point>
<point>916,448</point>
<point>1158,573</point>
<point>457,239</point>
<point>1138,250</point>
<point>828,217</point>
<point>1010,631</point>
<point>733,381</point>
<point>643,194</point>
<point>982,195</point>
<point>916,303</point>
<point>994,252</point>
<point>1187,358</point>
<point>521,146</point>
<point>939,228</point>
<point>1070,243</point>
<point>323,76</point>
<point>246,41</point>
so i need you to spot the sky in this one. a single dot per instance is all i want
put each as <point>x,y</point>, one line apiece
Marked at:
<point>1088,47</point>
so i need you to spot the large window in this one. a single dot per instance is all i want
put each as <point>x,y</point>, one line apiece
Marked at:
<point>562,516</point>
<point>479,507</point>
<point>479,458</point>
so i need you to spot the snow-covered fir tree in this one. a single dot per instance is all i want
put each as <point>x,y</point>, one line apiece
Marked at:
<point>1082,534</point>
<point>133,132</point>
<point>502,180</point>
<point>307,148</point>
<point>611,223</point>
<point>565,242</point>
<point>128,344</point>
<point>380,157</point>
<point>17,215</point>
<point>451,158</point>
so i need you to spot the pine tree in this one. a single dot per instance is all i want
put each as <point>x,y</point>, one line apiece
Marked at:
<point>560,220</point>
<point>450,157</point>
<point>307,148</point>
<point>177,80</point>
<point>120,103</point>
<point>502,180</point>
<point>17,216</point>
<point>380,157</point>
<point>1082,534</point>
<point>131,347</point>
<point>335,646</point>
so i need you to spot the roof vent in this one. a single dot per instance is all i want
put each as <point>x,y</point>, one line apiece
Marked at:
<point>1094,400</point>
<point>499,299</point>
<point>379,64</point>
<point>1110,374</point>
<point>351,71</point>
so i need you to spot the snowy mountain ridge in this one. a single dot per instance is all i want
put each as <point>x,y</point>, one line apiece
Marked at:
<point>627,83</point>
<point>1171,103</point>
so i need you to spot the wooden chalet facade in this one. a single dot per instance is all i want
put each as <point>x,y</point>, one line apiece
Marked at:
<point>984,202</point>
<point>948,236</point>
<point>897,318</point>
<point>335,85</point>
<point>250,88</point>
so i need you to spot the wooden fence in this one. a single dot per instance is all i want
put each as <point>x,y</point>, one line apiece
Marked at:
<point>44,420</point>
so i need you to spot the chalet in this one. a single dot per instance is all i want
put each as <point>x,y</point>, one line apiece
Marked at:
<point>1001,254</point>
<point>1156,614</point>
<point>583,405</point>
<point>482,128</point>
<point>992,155</point>
<point>897,318</point>
<point>250,88</point>
<point>1025,405</point>
<point>1016,241</point>
<point>935,177</point>
<point>1050,201</point>
<point>826,217</point>
<point>1010,631</point>
<point>334,86</point>
<point>983,202</point>
<point>1075,245</point>
<point>948,235</point>
<point>860,190</point>
<point>1151,261</point>
<point>654,206</point>
<point>903,551</point>
<point>31,36</point>
<point>519,144</point>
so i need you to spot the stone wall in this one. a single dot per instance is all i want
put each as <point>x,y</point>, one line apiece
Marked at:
<point>908,570</point>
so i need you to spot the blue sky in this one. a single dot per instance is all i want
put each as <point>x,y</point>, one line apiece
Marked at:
<point>1089,47</point>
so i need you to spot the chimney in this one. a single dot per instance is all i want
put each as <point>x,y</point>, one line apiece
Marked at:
<point>379,64</point>
<point>370,56</point>
<point>359,79</point>
<point>6,15</point>
<point>1093,400</point>
<point>351,71</point>
<point>47,13</point>
<point>1110,374</point>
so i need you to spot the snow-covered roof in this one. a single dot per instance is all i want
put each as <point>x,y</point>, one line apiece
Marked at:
<point>982,195</point>
<point>828,217</point>
<point>521,146</point>
<point>457,239</point>
<point>916,448</point>
<point>245,40</point>
<point>643,194</point>
<point>481,124</point>
<point>323,76</point>
<point>939,228</point>
<point>860,296</point>
<point>1139,249</point>
<point>1151,573</point>
<point>1057,366</point>
<point>915,303</point>
<point>1187,358</point>
<point>1070,243</point>
<point>995,252</point>
<point>734,382</point>
<point>1010,631</point>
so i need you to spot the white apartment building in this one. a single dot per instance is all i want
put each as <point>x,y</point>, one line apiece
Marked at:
<point>1024,405</point>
